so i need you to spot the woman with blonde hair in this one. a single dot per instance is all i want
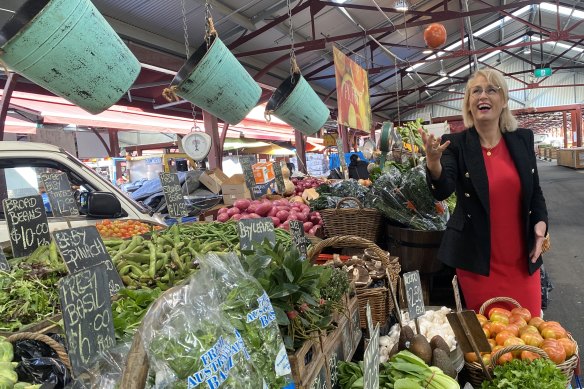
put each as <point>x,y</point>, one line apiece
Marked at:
<point>494,237</point>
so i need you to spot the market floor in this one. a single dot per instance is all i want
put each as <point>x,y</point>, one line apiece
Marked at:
<point>564,193</point>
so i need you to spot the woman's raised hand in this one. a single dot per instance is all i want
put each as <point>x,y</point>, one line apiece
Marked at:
<point>433,147</point>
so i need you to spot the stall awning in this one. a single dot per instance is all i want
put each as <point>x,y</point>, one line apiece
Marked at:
<point>55,110</point>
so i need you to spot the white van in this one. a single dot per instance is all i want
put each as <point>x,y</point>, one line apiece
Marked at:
<point>21,164</point>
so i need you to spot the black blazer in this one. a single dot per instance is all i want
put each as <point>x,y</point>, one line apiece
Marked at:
<point>466,243</point>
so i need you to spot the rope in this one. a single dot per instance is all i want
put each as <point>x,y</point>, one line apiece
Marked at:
<point>170,94</point>
<point>210,28</point>
<point>268,115</point>
<point>430,380</point>
<point>294,69</point>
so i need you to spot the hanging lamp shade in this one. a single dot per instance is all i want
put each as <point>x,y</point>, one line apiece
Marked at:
<point>68,48</point>
<point>214,80</point>
<point>297,104</point>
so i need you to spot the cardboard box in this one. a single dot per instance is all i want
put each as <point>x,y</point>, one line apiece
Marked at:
<point>234,188</point>
<point>263,172</point>
<point>213,179</point>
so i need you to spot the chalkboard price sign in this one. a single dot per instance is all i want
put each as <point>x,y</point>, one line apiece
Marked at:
<point>87,314</point>
<point>255,231</point>
<point>82,248</point>
<point>4,266</point>
<point>60,195</point>
<point>298,238</point>
<point>371,362</point>
<point>246,163</point>
<point>175,202</point>
<point>28,226</point>
<point>414,294</point>
<point>280,186</point>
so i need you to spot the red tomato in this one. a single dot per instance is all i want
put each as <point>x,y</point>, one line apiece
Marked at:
<point>498,310</point>
<point>529,356</point>
<point>522,312</point>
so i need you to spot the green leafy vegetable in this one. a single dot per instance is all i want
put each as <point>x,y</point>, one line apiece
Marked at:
<point>519,374</point>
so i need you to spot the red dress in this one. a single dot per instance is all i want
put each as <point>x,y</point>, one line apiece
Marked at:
<point>509,276</point>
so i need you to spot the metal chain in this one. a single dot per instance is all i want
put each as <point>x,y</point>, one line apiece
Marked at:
<point>291,30</point>
<point>188,54</point>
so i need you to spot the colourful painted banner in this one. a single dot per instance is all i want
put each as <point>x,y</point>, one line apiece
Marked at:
<point>352,93</point>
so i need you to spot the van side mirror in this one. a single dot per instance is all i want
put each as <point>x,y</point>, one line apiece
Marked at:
<point>100,204</point>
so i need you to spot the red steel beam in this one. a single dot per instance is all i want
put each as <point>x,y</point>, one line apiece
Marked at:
<point>246,38</point>
<point>5,101</point>
<point>531,25</point>
<point>436,17</point>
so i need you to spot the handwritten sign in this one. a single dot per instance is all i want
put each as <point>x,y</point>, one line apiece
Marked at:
<point>280,186</point>
<point>298,239</point>
<point>175,201</point>
<point>246,163</point>
<point>341,150</point>
<point>60,195</point>
<point>371,362</point>
<point>87,314</point>
<point>414,295</point>
<point>255,231</point>
<point>261,189</point>
<point>4,266</point>
<point>28,226</point>
<point>82,248</point>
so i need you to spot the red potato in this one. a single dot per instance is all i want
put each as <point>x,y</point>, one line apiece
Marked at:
<point>285,225</point>
<point>293,217</point>
<point>222,210</point>
<point>283,215</point>
<point>233,211</point>
<point>312,230</point>
<point>308,226</point>
<point>263,209</point>
<point>253,216</point>
<point>273,211</point>
<point>276,221</point>
<point>222,217</point>
<point>301,216</point>
<point>283,208</point>
<point>237,216</point>
<point>315,219</point>
<point>242,204</point>
<point>252,208</point>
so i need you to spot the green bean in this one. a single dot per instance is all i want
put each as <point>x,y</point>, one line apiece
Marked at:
<point>152,269</point>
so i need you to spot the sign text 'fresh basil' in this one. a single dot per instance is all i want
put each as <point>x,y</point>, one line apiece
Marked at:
<point>371,362</point>
<point>27,222</point>
<point>87,315</point>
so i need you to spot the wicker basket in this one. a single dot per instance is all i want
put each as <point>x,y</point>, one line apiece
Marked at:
<point>379,299</point>
<point>475,371</point>
<point>362,222</point>
<point>56,346</point>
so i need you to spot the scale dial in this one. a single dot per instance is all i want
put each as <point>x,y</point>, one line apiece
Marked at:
<point>197,145</point>
<point>368,148</point>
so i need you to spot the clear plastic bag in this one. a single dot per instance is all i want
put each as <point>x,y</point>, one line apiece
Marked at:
<point>106,372</point>
<point>191,344</point>
<point>404,197</point>
<point>250,311</point>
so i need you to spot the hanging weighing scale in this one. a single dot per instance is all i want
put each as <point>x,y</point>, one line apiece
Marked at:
<point>385,142</point>
<point>197,145</point>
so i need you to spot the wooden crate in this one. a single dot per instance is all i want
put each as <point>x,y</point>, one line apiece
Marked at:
<point>553,153</point>
<point>573,157</point>
<point>334,351</point>
<point>319,379</point>
<point>305,360</point>
<point>355,324</point>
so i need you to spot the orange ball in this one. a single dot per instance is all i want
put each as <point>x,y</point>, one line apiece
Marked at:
<point>435,35</point>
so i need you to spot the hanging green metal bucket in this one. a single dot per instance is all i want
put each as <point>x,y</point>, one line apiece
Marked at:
<point>214,80</point>
<point>297,104</point>
<point>68,48</point>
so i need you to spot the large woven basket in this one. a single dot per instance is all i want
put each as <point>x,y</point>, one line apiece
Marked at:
<point>379,299</point>
<point>56,346</point>
<point>362,222</point>
<point>475,371</point>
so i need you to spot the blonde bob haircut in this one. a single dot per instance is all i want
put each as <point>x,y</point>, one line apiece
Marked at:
<point>507,122</point>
